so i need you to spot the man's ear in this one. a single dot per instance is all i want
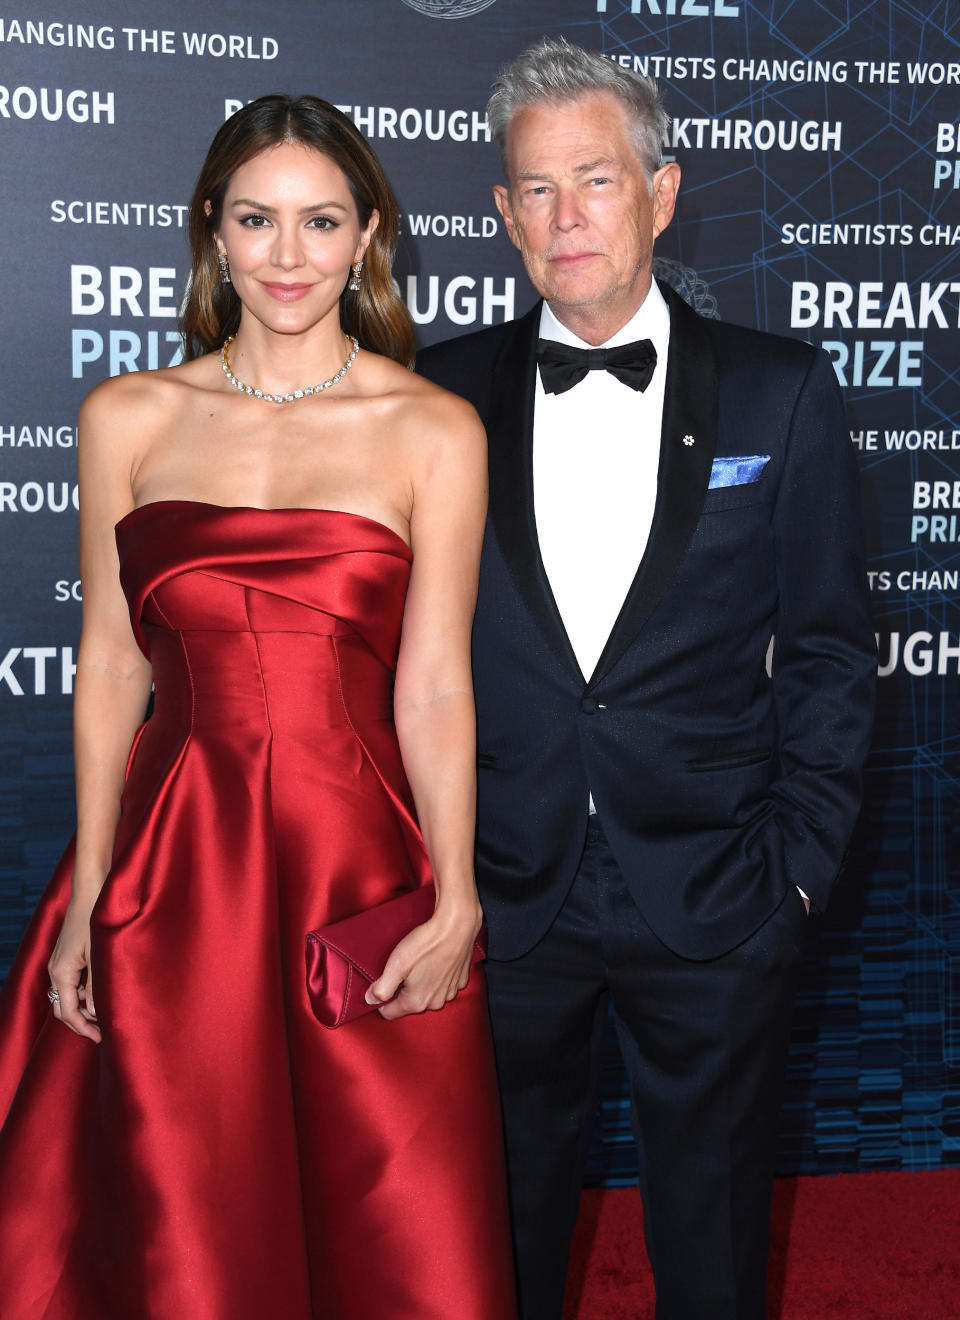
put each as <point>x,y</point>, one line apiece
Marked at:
<point>502,198</point>
<point>666,185</point>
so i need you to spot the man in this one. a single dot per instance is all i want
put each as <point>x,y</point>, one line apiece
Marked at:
<point>651,802</point>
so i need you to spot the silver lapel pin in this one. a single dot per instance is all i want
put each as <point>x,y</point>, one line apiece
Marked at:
<point>688,440</point>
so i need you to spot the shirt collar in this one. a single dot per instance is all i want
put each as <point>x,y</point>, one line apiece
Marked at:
<point>650,321</point>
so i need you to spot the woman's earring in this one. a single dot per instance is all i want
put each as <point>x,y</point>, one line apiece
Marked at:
<point>224,268</point>
<point>354,285</point>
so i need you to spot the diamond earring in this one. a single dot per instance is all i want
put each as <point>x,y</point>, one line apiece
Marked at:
<point>354,285</point>
<point>224,268</point>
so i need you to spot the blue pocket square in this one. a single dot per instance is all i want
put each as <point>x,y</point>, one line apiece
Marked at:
<point>738,471</point>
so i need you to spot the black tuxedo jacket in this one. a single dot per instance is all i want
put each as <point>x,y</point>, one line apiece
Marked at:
<point>718,786</point>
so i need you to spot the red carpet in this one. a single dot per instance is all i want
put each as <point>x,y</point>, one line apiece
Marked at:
<point>869,1246</point>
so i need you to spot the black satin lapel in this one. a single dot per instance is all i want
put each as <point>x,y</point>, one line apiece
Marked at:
<point>689,414</point>
<point>510,440</point>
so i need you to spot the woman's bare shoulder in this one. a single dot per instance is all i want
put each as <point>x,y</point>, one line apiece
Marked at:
<point>141,404</point>
<point>422,411</point>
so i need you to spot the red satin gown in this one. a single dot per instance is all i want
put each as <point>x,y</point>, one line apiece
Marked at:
<point>221,1155</point>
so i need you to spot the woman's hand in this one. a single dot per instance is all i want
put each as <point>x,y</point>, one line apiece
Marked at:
<point>429,965</point>
<point>70,972</point>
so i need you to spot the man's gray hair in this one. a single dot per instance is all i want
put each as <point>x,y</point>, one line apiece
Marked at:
<point>554,71</point>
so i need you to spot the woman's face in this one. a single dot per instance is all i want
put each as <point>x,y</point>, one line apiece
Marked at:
<point>290,231</point>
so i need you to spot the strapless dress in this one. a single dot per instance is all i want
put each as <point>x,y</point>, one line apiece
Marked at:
<point>221,1155</point>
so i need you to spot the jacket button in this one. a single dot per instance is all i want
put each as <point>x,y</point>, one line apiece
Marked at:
<point>589,705</point>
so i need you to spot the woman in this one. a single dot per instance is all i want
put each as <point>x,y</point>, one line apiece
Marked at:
<point>268,532</point>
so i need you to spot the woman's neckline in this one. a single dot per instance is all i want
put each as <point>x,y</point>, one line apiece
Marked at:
<point>255,508</point>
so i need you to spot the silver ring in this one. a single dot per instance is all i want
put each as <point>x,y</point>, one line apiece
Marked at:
<point>53,995</point>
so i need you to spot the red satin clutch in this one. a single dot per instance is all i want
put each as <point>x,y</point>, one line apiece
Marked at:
<point>346,957</point>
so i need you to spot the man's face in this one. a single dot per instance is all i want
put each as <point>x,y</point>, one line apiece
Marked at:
<point>582,210</point>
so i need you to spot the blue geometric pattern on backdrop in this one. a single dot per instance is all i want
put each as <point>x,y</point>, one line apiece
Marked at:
<point>874,1073</point>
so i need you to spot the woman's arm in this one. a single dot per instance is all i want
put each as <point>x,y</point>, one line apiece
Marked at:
<point>111,690</point>
<point>433,702</point>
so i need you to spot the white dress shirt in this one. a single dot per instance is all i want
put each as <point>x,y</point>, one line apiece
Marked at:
<point>596,449</point>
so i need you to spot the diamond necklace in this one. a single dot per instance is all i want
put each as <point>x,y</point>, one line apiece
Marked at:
<point>237,383</point>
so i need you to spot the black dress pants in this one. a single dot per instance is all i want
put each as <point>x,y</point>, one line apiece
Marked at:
<point>704,1044</point>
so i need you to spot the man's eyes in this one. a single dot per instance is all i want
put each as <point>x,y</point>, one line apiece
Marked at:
<point>542,189</point>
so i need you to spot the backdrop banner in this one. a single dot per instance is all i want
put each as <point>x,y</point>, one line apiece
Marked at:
<point>820,146</point>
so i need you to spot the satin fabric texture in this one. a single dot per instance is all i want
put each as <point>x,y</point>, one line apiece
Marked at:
<point>221,1155</point>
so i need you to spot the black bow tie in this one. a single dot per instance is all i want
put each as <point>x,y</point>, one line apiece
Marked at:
<point>562,366</point>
